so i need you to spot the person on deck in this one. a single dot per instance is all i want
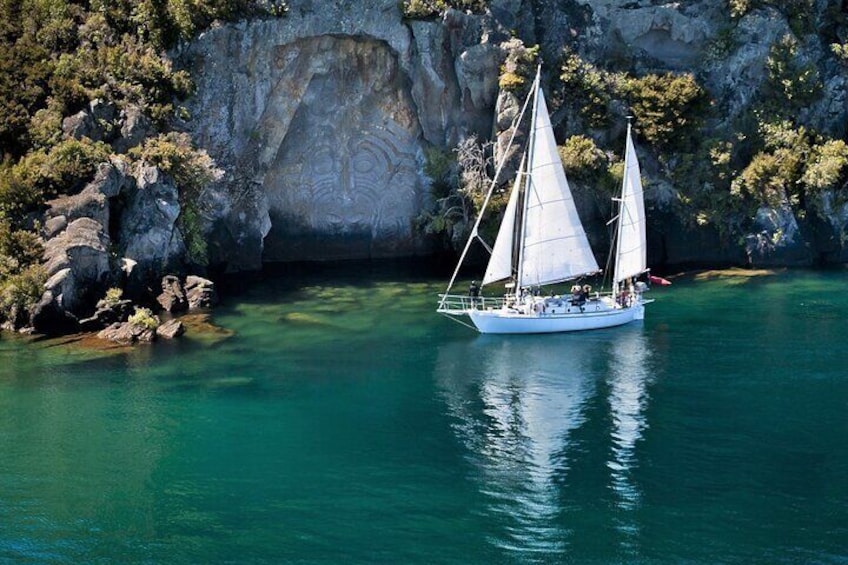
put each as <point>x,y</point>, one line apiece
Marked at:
<point>474,292</point>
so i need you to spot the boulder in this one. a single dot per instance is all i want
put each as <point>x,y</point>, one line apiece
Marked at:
<point>173,296</point>
<point>200,292</point>
<point>49,318</point>
<point>54,225</point>
<point>777,239</point>
<point>93,201</point>
<point>98,123</point>
<point>170,329</point>
<point>80,125</point>
<point>104,115</point>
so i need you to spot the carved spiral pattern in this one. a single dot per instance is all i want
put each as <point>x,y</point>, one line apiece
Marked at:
<point>347,165</point>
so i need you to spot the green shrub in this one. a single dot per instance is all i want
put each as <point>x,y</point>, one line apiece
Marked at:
<point>738,8</point>
<point>145,318</point>
<point>841,51</point>
<point>519,68</point>
<point>792,82</point>
<point>18,249</point>
<point>191,228</point>
<point>827,169</point>
<point>421,9</point>
<point>440,168</point>
<point>41,175</point>
<point>20,292</point>
<point>113,296</point>
<point>589,89</point>
<point>770,178</point>
<point>582,159</point>
<point>174,154</point>
<point>667,107</point>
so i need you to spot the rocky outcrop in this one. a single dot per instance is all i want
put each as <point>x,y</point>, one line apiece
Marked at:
<point>120,230</point>
<point>107,313</point>
<point>128,333</point>
<point>79,265</point>
<point>101,121</point>
<point>193,294</point>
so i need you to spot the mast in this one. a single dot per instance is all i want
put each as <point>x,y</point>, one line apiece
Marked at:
<point>519,283</point>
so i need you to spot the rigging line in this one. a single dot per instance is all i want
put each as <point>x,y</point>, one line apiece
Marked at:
<point>483,243</point>
<point>468,243</point>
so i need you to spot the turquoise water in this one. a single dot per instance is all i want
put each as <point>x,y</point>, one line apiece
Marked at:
<point>340,420</point>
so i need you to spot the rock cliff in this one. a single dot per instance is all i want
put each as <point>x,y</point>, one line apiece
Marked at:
<point>321,118</point>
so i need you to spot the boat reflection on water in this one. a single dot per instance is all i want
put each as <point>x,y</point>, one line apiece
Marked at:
<point>523,406</point>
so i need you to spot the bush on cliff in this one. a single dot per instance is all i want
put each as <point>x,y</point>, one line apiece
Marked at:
<point>668,107</point>
<point>45,173</point>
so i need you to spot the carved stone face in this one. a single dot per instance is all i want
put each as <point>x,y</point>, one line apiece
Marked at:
<point>344,176</point>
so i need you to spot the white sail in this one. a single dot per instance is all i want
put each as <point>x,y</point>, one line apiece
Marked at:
<point>555,247</point>
<point>631,255</point>
<point>500,263</point>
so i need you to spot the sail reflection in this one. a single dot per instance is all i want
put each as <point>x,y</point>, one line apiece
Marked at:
<point>518,403</point>
<point>628,378</point>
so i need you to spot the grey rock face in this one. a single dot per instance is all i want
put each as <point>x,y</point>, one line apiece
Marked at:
<point>321,119</point>
<point>80,125</point>
<point>135,126</point>
<point>97,123</point>
<point>778,241</point>
<point>148,232</point>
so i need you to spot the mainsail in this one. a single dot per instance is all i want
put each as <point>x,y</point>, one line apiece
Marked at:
<point>554,246</point>
<point>631,255</point>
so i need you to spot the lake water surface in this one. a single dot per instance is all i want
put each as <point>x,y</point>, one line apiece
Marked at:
<point>339,419</point>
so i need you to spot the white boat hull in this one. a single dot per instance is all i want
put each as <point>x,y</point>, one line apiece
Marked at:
<point>503,321</point>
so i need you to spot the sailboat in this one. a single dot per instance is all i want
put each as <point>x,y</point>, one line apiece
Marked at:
<point>542,242</point>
